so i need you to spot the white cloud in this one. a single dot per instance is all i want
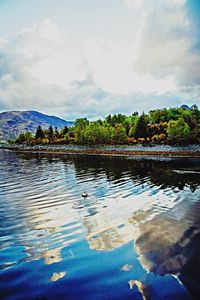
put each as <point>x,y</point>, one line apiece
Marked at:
<point>38,68</point>
<point>41,40</point>
<point>47,53</point>
<point>132,4</point>
<point>176,2</point>
<point>167,44</point>
<point>41,68</point>
<point>111,66</point>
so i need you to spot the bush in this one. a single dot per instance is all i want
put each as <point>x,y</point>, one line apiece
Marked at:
<point>67,138</point>
<point>157,138</point>
<point>178,131</point>
<point>119,136</point>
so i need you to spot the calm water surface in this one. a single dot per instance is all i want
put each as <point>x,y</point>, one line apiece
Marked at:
<point>137,236</point>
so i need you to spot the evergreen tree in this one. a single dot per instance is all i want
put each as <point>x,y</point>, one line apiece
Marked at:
<point>56,132</point>
<point>65,130</point>
<point>161,125</point>
<point>39,133</point>
<point>50,133</point>
<point>141,129</point>
<point>108,119</point>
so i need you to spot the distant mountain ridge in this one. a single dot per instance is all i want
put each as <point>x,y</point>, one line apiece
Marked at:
<point>14,122</point>
<point>185,106</point>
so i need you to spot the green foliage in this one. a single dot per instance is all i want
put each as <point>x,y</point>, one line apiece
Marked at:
<point>20,139</point>
<point>174,113</point>
<point>56,132</point>
<point>28,137</point>
<point>158,115</point>
<point>108,132</point>
<point>195,133</point>
<point>178,131</point>
<point>141,129</point>
<point>116,119</point>
<point>133,120</point>
<point>10,141</point>
<point>24,137</point>
<point>82,122</point>
<point>158,138</point>
<point>79,128</point>
<point>50,134</point>
<point>64,130</point>
<point>120,136</point>
<point>67,138</point>
<point>159,126</point>
<point>95,133</point>
<point>44,141</point>
<point>132,132</point>
<point>39,133</point>
<point>92,134</point>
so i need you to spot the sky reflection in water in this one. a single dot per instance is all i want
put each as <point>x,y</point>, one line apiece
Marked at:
<point>138,227</point>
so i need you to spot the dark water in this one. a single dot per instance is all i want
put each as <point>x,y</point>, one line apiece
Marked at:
<point>137,236</point>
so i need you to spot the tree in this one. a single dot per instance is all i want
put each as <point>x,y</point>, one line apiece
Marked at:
<point>93,133</point>
<point>158,138</point>
<point>67,138</point>
<point>141,129</point>
<point>107,133</point>
<point>28,137</point>
<point>65,130</point>
<point>195,133</point>
<point>157,116</point>
<point>108,119</point>
<point>194,107</point>
<point>160,125</point>
<point>56,132</point>
<point>82,122</point>
<point>174,114</point>
<point>39,133</point>
<point>178,130</point>
<point>133,119</point>
<point>79,128</point>
<point>115,119</point>
<point>24,137</point>
<point>132,132</point>
<point>20,139</point>
<point>50,134</point>
<point>120,136</point>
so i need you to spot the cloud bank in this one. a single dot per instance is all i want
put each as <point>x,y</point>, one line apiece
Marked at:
<point>41,68</point>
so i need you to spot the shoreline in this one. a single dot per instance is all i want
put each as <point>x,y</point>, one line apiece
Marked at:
<point>105,152</point>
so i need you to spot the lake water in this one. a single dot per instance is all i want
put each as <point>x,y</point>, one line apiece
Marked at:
<point>137,235</point>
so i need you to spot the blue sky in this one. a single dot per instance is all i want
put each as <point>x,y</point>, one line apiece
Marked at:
<point>90,58</point>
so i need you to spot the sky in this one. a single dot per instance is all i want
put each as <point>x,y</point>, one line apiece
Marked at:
<point>90,58</point>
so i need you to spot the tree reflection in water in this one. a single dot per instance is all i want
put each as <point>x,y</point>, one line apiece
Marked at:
<point>152,204</point>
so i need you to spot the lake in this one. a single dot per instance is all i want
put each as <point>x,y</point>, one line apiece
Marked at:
<point>136,236</point>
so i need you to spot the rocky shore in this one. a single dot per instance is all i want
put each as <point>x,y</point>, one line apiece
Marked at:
<point>153,151</point>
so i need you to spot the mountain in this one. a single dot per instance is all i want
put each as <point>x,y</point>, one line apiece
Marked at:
<point>14,122</point>
<point>185,106</point>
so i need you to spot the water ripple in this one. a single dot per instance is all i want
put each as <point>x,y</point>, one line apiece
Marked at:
<point>45,221</point>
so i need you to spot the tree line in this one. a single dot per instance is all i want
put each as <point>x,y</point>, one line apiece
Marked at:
<point>160,126</point>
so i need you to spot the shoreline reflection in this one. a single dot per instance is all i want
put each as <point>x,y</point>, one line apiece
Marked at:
<point>146,204</point>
